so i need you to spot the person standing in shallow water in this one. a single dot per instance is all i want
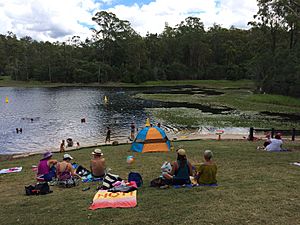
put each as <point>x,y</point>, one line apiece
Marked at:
<point>132,131</point>
<point>62,146</point>
<point>108,132</point>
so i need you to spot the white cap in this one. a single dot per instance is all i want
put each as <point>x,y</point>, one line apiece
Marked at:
<point>67,156</point>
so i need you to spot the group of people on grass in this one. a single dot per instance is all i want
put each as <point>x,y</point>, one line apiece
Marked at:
<point>49,168</point>
<point>181,173</point>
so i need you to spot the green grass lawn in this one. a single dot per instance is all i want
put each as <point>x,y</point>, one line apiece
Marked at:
<point>254,188</point>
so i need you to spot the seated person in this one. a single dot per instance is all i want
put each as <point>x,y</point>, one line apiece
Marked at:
<point>97,164</point>
<point>65,170</point>
<point>46,169</point>
<point>69,142</point>
<point>275,144</point>
<point>206,173</point>
<point>181,170</point>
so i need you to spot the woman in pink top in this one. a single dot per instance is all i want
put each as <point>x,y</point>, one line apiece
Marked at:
<point>46,169</point>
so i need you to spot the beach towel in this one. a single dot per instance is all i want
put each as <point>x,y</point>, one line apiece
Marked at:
<point>11,170</point>
<point>106,199</point>
<point>89,178</point>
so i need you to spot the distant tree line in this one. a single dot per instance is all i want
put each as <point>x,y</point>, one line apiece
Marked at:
<point>268,53</point>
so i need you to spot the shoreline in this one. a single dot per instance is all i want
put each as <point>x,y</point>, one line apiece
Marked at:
<point>182,138</point>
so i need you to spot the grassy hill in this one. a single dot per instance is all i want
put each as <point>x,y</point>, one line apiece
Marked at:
<point>254,188</point>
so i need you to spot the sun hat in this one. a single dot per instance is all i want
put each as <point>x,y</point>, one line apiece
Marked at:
<point>67,156</point>
<point>97,151</point>
<point>181,151</point>
<point>47,155</point>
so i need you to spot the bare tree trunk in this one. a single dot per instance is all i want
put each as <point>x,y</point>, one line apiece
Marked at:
<point>99,74</point>
<point>49,73</point>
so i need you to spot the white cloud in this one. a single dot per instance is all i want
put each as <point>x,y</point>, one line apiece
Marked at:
<point>60,19</point>
<point>47,20</point>
<point>152,17</point>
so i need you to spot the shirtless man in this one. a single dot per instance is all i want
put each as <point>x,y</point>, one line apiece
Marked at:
<point>97,164</point>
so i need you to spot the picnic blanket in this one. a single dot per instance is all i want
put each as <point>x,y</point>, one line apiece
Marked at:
<point>11,170</point>
<point>106,199</point>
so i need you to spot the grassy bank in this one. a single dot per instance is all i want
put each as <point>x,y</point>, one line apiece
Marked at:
<point>254,188</point>
<point>243,100</point>
<point>193,118</point>
<point>6,81</point>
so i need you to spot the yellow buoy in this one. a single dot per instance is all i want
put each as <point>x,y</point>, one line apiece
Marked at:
<point>105,99</point>
<point>147,122</point>
<point>6,100</point>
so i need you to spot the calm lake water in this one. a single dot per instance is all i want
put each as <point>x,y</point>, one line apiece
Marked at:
<point>57,114</point>
<point>49,115</point>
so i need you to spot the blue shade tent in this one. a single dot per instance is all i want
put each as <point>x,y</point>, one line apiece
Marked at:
<point>151,139</point>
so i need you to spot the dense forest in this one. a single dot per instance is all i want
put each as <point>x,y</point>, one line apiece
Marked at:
<point>268,52</point>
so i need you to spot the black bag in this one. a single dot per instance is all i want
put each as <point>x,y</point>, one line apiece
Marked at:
<point>71,182</point>
<point>158,182</point>
<point>38,189</point>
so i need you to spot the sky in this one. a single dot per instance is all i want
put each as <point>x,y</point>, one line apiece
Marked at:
<point>59,20</point>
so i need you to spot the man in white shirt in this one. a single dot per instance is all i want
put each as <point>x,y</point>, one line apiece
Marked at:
<point>275,144</point>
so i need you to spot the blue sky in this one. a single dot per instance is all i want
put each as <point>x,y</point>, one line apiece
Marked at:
<point>126,3</point>
<point>58,20</point>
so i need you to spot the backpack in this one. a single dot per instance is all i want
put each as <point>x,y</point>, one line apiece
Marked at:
<point>136,177</point>
<point>38,189</point>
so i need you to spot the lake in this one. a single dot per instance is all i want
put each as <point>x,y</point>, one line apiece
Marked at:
<point>49,115</point>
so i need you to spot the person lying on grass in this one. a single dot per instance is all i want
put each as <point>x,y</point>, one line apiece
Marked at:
<point>97,164</point>
<point>65,170</point>
<point>46,168</point>
<point>181,170</point>
<point>207,171</point>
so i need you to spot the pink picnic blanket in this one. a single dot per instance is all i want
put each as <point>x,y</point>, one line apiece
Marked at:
<point>105,199</point>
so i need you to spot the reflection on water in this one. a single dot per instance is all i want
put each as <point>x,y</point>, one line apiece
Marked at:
<point>48,115</point>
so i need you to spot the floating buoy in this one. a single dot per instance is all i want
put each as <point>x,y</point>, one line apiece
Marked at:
<point>105,99</point>
<point>6,100</point>
<point>147,122</point>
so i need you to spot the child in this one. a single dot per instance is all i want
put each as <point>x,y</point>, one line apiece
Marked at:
<point>206,173</point>
<point>62,146</point>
